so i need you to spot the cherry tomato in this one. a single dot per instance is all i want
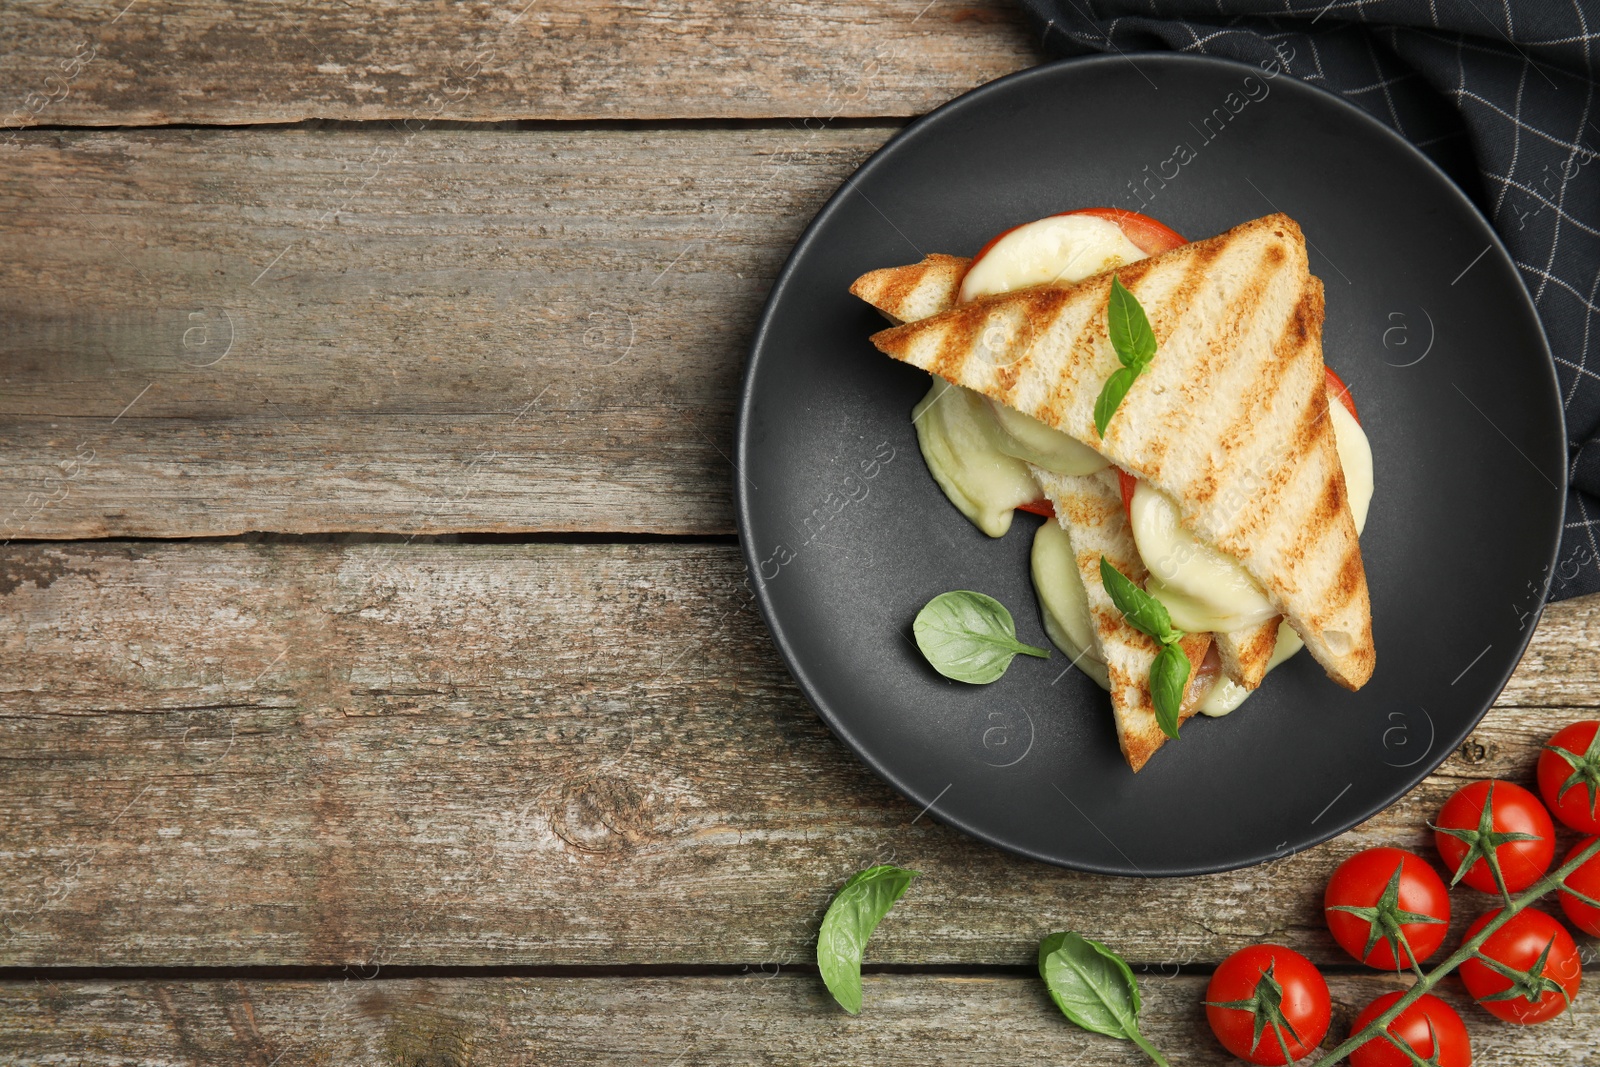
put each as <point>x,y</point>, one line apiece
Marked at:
<point>1430,1026</point>
<point>1495,835</point>
<point>1585,881</point>
<point>1341,392</point>
<point>1569,776</point>
<point>1385,898</point>
<point>1268,1004</point>
<point>1542,960</point>
<point>1039,507</point>
<point>1149,236</point>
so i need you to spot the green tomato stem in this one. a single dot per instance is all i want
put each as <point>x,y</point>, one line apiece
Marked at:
<point>1469,948</point>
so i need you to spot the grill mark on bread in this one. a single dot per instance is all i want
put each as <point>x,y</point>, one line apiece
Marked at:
<point>1352,578</point>
<point>1067,383</point>
<point>1044,304</point>
<point>1264,396</point>
<point>1323,520</point>
<point>1233,322</point>
<point>906,293</point>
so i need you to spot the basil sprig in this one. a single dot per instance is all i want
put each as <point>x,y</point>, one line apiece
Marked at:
<point>857,908</point>
<point>969,636</point>
<point>1169,674</point>
<point>1135,345</point>
<point>1093,987</point>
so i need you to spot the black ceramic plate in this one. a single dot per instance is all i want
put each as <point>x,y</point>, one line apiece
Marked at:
<point>847,536</point>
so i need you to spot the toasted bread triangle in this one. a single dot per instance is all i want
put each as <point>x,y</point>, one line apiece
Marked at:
<point>1230,418</point>
<point>1089,508</point>
<point>909,293</point>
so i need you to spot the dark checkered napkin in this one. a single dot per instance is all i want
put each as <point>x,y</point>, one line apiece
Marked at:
<point>1501,95</point>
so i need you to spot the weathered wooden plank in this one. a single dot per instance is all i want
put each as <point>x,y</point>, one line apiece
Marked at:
<point>163,61</point>
<point>770,1019</point>
<point>228,754</point>
<point>210,332</point>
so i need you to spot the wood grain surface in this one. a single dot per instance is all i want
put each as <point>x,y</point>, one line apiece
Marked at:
<point>238,754</point>
<point>759,1018</point>
<point>111,62</point>
<point>211,332</point>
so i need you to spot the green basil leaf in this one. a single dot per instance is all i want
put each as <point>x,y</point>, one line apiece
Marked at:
<point>1131,336</point>
<point>1144,612</point>
<point>969,636</point>
<point>1111,395</point>
<point>857,908</point>
<point>1094,988</point>
<point>1091,985</point>
<point>1169,677</point>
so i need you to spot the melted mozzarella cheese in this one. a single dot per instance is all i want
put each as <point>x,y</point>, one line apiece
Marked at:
<point>1226,694</point>
<point>1061,249</point>
<point>954,431</point>
<point>1355,456</point>
<point>1025,437</point>
<point>975,448</point>
<point>1059,586</point>
<point>1201,588</point>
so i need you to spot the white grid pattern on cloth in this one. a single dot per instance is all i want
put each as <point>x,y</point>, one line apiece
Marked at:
<point>1515,91</point>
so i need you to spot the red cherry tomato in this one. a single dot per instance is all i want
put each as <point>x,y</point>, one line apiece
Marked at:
<point>1039,507</point>
<point>1385,898</point>
<point>1430,1026</point>
<point>1280,987</point>
<point>1541,955</point>
<point>1149,236</point>
<point>1341,392</point>
<point>1569,776</point>
<point>1585,882</point>
<point>1495,836</point>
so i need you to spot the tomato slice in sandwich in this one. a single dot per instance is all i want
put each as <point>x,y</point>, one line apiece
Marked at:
<point>1341,391</point>
<point>1151,237</point>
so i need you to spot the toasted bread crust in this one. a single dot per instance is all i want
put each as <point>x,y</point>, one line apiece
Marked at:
<point>1230,418</point>
<point>1246,653</point>
<point>906,294</point>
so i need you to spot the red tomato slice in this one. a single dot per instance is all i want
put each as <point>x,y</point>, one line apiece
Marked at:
<point>1149,236</point>
<point>1337,388</point>
<point>1127,483</point>
<point>1039,507</point>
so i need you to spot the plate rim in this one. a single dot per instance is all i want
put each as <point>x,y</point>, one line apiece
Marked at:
<point>741,445</point>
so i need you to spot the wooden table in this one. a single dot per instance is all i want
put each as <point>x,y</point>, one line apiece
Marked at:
<point>378,681</point>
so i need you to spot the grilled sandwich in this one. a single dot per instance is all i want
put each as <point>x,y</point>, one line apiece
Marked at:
<point>1230,419</point>
<point>1089,508</point>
